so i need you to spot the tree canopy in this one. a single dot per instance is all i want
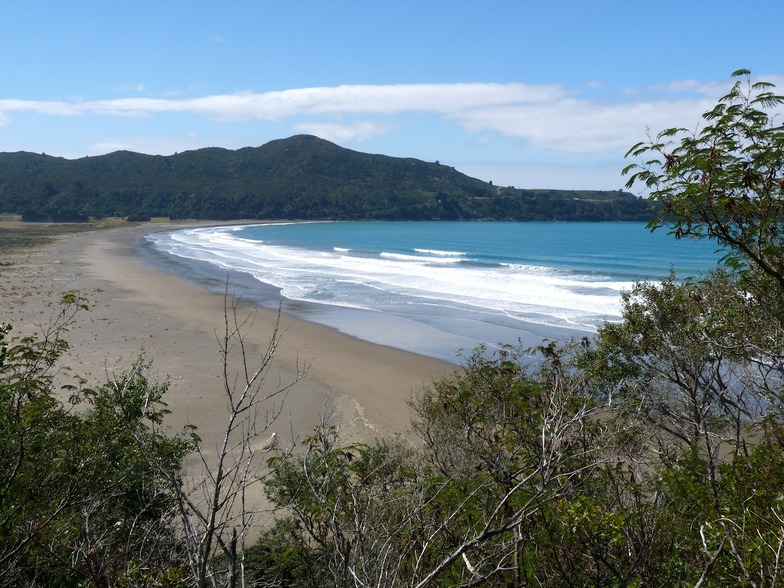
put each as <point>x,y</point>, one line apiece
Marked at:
<point>724,181</point>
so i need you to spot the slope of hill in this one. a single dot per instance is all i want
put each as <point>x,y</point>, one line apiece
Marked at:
<point>302,177</point>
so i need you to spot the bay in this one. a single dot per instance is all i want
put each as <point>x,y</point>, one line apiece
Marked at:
<point>435,287</point>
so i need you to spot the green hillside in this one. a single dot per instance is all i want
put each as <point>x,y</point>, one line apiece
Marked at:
<point>302,177</point>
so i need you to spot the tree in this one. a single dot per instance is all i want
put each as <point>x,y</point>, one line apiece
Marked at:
<point>215,510</point>
<point>696,368</point>
<point>79,500</point>
<point>512,440</point>
<point>725,181</point>
<point>680,360</point>
<point>695,388</point>
<point>95,492</point>
<point>652,455</point>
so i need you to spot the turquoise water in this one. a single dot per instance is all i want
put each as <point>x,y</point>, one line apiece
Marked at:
<point>450,285</point>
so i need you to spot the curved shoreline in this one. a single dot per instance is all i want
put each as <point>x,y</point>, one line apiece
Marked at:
<point>135,306</point>
<point>440,335</point>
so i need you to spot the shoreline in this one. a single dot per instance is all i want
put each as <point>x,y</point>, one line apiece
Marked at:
<point>446,337</point>
<point>135,307</point>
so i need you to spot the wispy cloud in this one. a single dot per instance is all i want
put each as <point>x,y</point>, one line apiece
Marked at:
<point>345,133</point>
<point>580,126</point>
<point>441,98</point>
<point>543,116</point>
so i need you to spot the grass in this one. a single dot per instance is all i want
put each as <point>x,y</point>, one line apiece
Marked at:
<point>15,235</point>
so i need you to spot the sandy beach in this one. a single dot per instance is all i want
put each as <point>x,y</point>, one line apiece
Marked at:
<point>136,308</point>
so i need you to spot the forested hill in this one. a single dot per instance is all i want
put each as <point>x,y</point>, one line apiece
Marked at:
<point>302,177</point>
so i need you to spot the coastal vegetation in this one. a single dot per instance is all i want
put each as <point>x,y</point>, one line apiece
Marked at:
<point>652,454</point>
<point>302,177</point>
<point>15,235</point>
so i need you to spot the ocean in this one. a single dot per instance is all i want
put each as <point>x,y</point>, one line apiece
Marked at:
<point>434,288</point>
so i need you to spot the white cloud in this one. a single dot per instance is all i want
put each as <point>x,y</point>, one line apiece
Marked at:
<point>544,116</point>
<point>713,90</point>
<point>581,126</point>
<point>345,133</point>
<point>439,98</point>
<point>54,108</point>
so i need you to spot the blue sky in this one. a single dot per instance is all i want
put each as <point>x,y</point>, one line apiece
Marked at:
<point>530,94</point>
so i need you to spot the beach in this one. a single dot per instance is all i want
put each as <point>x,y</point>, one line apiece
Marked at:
<point>135,308</point>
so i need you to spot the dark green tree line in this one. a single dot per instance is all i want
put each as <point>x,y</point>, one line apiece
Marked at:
<point>301,177</point>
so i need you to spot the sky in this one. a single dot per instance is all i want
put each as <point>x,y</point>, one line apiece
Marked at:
<point>525,94</point>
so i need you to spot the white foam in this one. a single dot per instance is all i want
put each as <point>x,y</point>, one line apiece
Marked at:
<point>405,257</point>
<point>343,278</point>
<point>438,252</point>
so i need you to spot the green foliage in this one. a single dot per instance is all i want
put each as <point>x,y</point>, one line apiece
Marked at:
<point>490,419</point>
<point>686,356</point>
<point>350,504</point>
<point>701,362</point>
<point>283,556</point>
<point>80,501</point>
<point>694,373</point>
<point>301,177</point>
<point>725,181</point>
<point>503,444</point>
